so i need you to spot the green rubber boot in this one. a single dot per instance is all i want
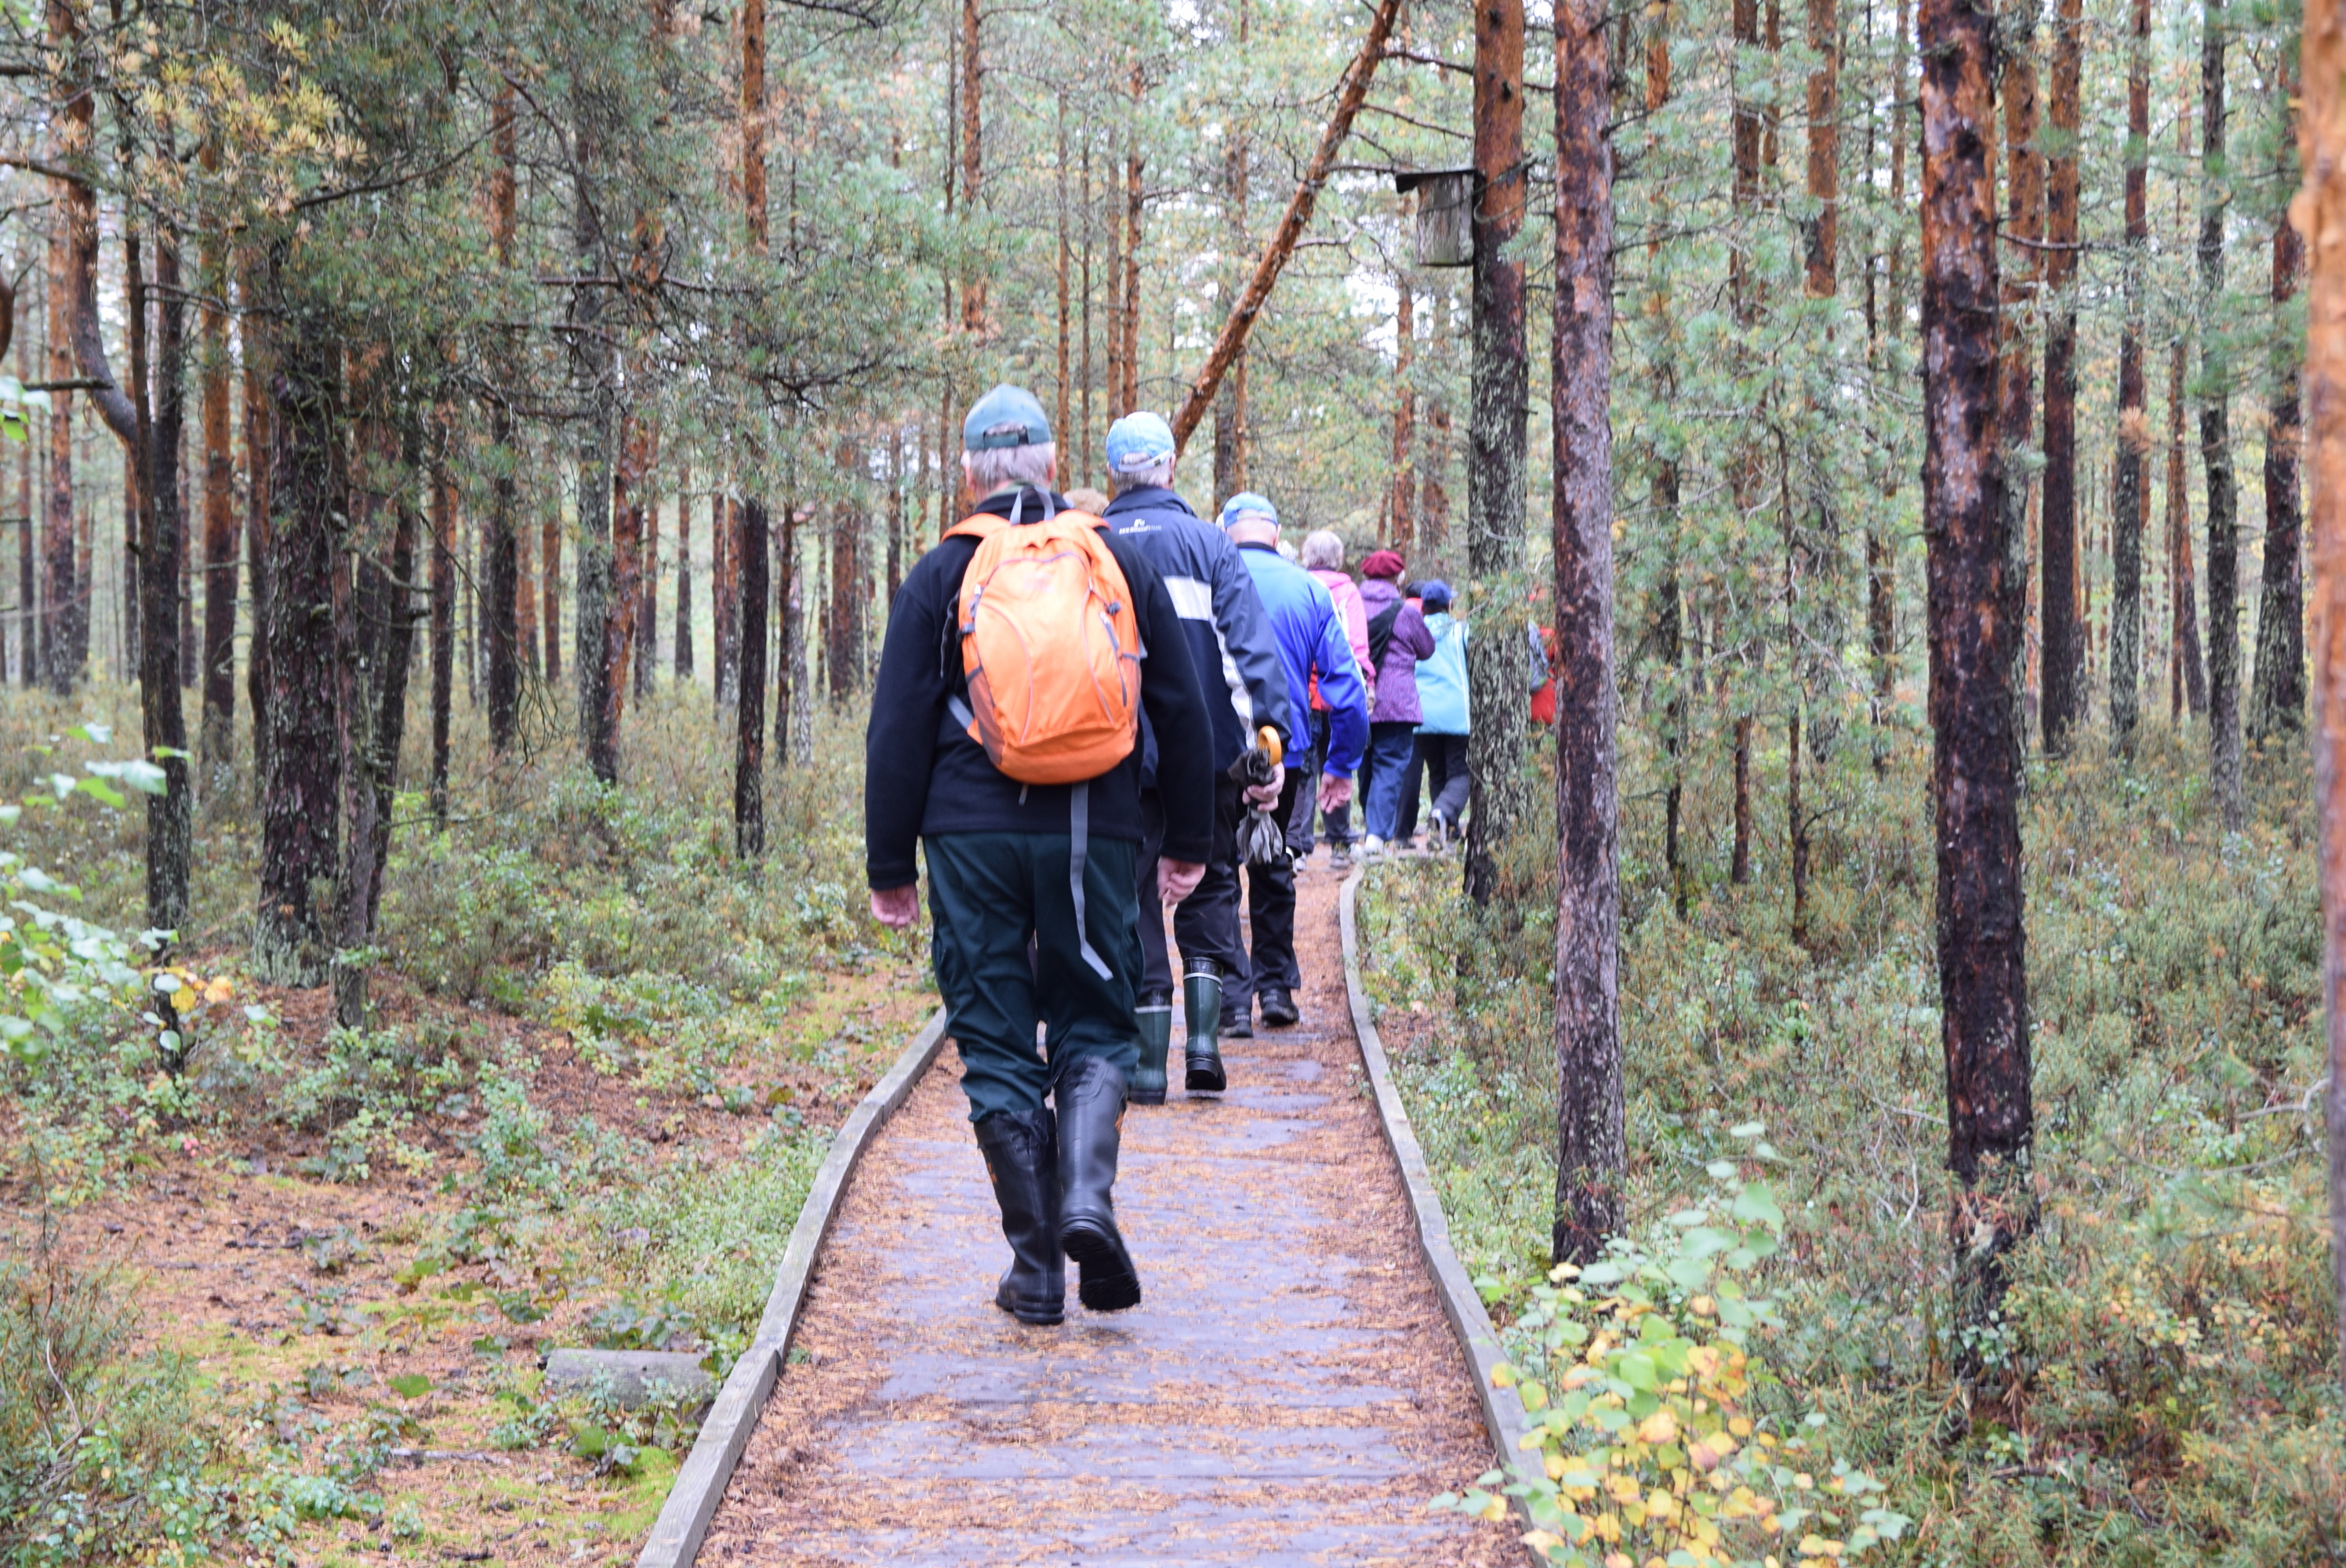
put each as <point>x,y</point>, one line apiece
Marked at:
<point>1156,1022</point>
<point>1201,994</point>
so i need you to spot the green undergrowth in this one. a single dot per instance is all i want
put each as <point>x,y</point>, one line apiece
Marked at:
<point>716,1015</point>
<point>2162,1382</point>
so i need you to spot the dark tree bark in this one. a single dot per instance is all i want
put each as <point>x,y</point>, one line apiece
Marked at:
<point>680,659</point>
<point>1880,557</point>
<point>170,831</point>
<point>751,555</point>
<point>594,373</point>
<point>1592,1161</point>
<point>1669,605</point>
<point>1973,604</point>
<point>1498,658</point>
<point>1747,125</point>
<point>623,613</point>
<point>258,461</point>
<point>302,798</point>
<point>2064,689</point>
<point>549,572</point>
<point>444,620</point>
<point>217,746</point>
<point>2129,509</point>
<point>502,613</point>
<point>724,598</point>
<point>394,663</point>
<point>2216,449</point>
<point>2276,703</point>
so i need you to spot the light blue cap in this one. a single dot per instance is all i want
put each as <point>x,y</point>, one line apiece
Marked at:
<point>1138,441</point>
<point>1247,503</point>
<point>1007,416</point>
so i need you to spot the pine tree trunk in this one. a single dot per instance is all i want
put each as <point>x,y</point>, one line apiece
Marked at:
<point>170,831</point>
<point>794,702</point>
<point>593,371</point>
<point>647,602</point>
<point>2022,282</point>
<point>1401,506</point>
<point>1747,127</point>
<point>2276,705</point>
<point>2063,668</point>
<point>2129,508</point>
<point>1974,631</point>
<point>680,659</point>
<point>1880,557</point>
<point>973,161</point>
<point>724,600</point>
<point>443,619</point>
<point>550,574</point>
<point>2187,680</point>
<point>750,553</point>
<point>57,587</point>
<point>1498,662</point>
<point>527,643</point>
<point>2322,213</point>
<point>1128,393</point>
<point>2216,451</point>
<point>623,610</point>
<point>1592,1163</point>
<point>217,745</point>
<point>1060,428</point>
<point>259,461</point>
<point>394,663</point>
<point>301,804</point>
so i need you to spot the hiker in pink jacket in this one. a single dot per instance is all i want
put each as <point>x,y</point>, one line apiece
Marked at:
<point>1323,558</point>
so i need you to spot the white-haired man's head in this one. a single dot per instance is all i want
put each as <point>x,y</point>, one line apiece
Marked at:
<point>999,468</point>
<point>1159,474</point>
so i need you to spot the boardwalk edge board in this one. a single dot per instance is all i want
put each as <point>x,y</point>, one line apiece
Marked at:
<point>1503,1408</point>
<point>701,1482</point>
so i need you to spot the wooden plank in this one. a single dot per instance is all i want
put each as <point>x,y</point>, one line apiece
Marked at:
<point>700,1484</point>
<point>1503,1408</point>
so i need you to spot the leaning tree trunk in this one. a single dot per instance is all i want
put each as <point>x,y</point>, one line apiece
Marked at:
<point>2129,511</point>
<point>1592,1160</point>
<point>1973,604</point>
<point>301,797</point>
<point>169,819</point>
<point>1498,660</point>
<point>2063,689</point>
<point>2215,452</point>
<point>2322,210</point>
<point>2276,705</point>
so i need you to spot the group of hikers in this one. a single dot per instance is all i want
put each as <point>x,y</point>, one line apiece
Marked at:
<point>1088,711</point>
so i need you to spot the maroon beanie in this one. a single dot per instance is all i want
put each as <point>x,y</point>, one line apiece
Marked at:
<point>1381,563</point>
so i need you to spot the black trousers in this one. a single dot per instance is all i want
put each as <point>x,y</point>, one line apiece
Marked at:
<point>1271,902</point>
<point>1206,923</point>
<point>1441,760</point>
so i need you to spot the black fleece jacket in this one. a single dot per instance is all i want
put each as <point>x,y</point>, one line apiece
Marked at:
<point>923,774</point>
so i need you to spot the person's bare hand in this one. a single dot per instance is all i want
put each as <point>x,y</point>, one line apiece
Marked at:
<point>896,907</point>
<point>1335,791</point>
<point>1177,880</point>
<point>1262,795</point>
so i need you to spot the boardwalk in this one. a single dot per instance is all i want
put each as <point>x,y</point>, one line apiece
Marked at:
<point>1287,1394</point>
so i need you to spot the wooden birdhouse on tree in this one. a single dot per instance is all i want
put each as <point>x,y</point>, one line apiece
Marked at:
<point>1445,215</point>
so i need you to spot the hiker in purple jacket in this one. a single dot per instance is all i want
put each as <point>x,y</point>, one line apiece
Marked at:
<point>1397,640</point>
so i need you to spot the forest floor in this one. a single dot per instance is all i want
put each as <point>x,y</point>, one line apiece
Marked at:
<point>2160,1385</point>
<point>290,1306</point>
<point>1287,1394</point>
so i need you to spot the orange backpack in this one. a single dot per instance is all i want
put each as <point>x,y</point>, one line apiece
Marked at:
<point>1051,646</point>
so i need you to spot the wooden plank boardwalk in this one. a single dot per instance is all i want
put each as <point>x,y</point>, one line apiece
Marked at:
<point>1287,1394</point>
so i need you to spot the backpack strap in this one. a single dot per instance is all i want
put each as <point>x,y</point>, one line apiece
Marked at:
<point>979,525</point>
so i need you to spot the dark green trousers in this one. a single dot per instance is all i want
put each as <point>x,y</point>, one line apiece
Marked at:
<point>989,893</point>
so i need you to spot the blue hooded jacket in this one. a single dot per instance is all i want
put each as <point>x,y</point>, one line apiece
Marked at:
<point>1230,642</point>
<point>1312,641</point>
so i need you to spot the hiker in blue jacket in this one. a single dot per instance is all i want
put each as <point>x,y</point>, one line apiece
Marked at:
<point>1012,863</point>
<point>1244,689</point>
<point>1312,641</point>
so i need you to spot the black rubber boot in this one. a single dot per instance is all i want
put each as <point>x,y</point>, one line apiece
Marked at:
<point>1155,1019</point>
<point>1091,1107</point>
<point>1201,994</point>
<point>1022,1155</point>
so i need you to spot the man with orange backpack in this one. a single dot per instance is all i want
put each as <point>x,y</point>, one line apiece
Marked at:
<point>1021,652</point>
